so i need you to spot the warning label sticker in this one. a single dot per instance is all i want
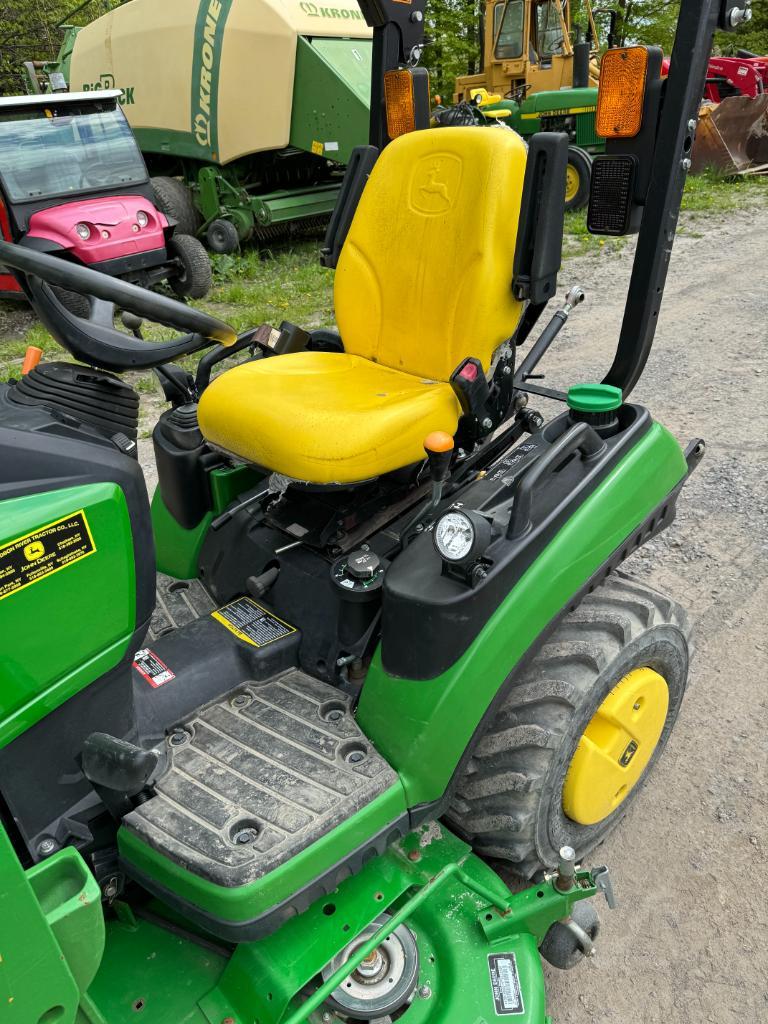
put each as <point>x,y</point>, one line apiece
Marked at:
<point>155,671</point>
<point>505,985</point>
<point>252,623</point>
<point>35,556</point>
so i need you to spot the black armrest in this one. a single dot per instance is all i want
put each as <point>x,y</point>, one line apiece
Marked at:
<point>539,250</point>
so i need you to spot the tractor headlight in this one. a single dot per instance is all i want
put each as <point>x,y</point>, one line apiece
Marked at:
<point>142,219</point>
<point>454,536</point>
<point>461,536</point>
<point>83,231</point>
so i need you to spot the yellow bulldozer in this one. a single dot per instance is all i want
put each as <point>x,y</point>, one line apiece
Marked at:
<point>539,72</point>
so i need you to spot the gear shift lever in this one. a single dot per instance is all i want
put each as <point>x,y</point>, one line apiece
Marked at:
<point>439,449</point>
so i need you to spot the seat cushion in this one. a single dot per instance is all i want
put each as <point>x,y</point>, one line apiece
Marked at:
<point>325,418</point>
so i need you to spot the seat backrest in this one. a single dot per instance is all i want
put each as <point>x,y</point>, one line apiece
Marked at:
<point>425,276</point>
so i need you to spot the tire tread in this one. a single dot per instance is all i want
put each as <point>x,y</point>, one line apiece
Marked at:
<point>496,802</point>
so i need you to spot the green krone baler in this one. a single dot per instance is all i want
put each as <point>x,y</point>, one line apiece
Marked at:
<point>246,110</point>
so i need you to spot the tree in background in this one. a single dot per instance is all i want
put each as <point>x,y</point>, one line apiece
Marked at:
<point>754,37</point>
<point>654,21</point>
<point>453,31</point>
<point>28,31</point>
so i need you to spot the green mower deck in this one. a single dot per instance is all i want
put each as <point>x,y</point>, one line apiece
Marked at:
<point>477,944</point>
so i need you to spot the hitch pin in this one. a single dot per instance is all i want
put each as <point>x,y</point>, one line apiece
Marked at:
<point>573,299</point>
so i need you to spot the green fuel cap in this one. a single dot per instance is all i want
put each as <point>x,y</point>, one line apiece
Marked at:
<point>594,398</point>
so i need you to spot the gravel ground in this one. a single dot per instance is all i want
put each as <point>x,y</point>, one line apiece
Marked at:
<point>687,942</point>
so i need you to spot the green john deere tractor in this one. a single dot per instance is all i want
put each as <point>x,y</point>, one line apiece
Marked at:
<point>263,783</point>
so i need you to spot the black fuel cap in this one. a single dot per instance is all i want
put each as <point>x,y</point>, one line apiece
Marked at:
<point>363,565</point>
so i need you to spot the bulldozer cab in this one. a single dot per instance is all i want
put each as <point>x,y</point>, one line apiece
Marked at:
<point>527,48</point>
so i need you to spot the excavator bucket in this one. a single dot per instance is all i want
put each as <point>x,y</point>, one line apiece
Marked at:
<point>733,136</point>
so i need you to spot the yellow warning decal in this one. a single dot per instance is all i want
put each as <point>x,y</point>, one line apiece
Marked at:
<point>35,556</point>
<point>318,148</point>
<point>251,623</point>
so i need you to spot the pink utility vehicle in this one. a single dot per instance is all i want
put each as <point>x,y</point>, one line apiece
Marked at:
<point>73,183</point>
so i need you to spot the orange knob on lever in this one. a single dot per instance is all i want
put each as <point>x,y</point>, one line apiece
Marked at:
<point>32,357</point>
<point>439,448</point>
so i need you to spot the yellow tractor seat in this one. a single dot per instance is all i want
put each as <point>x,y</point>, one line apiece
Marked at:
<point>324,417</point>
<point>423,282</point>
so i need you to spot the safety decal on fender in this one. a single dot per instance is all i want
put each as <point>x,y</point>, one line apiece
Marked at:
<point>154,670</point>
<point>250,622</point>
<point>505,984</point>
<point>35,556</point>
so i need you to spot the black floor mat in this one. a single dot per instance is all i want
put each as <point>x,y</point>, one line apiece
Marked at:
<point>258,777</point>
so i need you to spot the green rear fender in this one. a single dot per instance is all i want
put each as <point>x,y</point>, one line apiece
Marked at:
<point>424,727</point>
<point>67,597</point>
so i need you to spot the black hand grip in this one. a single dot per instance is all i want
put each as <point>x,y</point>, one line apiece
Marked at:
<point>216,355</point>
<point>580,437</point>
<point>116,764</point>
<point>95,341</point>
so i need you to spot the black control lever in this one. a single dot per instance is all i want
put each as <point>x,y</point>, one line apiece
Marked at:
<point>439,450</point>
<point>525,371</point>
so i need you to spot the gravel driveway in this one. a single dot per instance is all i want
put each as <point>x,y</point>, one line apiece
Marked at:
<point>688,943</point>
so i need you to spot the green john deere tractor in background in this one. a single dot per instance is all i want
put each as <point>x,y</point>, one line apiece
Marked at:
<point>246,111</point>
<point>387,640</point>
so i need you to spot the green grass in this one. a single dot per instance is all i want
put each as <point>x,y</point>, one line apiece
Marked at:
<point>712,193</point>
<point>287,283</point>
<point>578,241</point>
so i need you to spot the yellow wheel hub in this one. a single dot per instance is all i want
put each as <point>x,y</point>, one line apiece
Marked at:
<point>572,182</point>
<point>616,747</point>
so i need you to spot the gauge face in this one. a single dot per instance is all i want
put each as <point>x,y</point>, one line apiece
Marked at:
<point>454,536</point>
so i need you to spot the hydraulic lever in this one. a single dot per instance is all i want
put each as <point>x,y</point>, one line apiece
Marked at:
<point>574,298</point>
<point>439,450</point>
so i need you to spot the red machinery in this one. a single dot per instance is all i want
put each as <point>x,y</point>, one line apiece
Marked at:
<point>736,76</point>
<point>73,183</point>
<point>732,135</point>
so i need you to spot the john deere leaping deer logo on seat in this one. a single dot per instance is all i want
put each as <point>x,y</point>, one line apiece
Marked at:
<point>436,187</point>
<point>435,183</point>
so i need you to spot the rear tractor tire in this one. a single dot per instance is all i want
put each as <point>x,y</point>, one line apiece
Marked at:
<point>577,178</point>
<point>574,739</point>
<point>174,199</point>
<point>194,278</point>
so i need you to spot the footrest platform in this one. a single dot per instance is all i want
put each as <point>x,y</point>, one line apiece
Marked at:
<point>275,770</point>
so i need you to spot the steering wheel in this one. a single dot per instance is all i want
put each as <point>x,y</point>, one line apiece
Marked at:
<point>94,340</point>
